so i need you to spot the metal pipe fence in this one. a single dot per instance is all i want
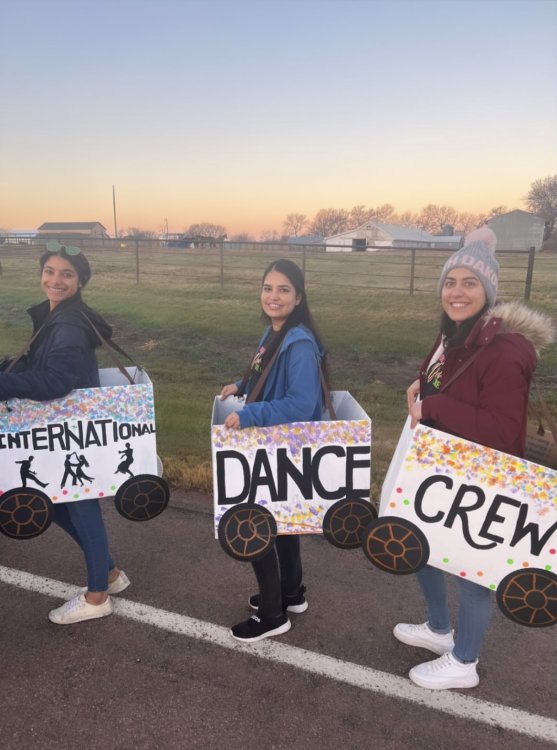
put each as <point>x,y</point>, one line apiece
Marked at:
<point>411,270</point>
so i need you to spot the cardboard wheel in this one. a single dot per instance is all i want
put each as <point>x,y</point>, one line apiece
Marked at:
<point>345,521</point>
<point>529,597</point>
<point>24,513</point>
<point>395,545</point>
<point>247,532</point>
<point>142,498</point>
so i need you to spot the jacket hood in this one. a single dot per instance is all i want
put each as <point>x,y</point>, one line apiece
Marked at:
<point>73,312</point>
<point>515,317</point>
<point>301,333</point>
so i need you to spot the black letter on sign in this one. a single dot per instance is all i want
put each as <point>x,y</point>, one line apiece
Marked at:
<point>492,517</point>
<point>286,468</point>
<point>221,484</point>
<point>418,500</point>
<point>352,493</point>
<point>456,510</point>
<point>260,462</point>
<point>536,544</point>
<point>321,491</point>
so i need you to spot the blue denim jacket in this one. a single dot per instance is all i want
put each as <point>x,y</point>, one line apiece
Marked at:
<point>292,391</point>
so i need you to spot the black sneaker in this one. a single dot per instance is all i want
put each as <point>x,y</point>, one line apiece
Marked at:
<point>296,604</point>
<point>256,628</point>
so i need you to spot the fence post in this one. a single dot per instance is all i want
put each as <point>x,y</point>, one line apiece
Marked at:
<point>137,261</point>
<point>529,273</point>
<point>304,259</point>
<point>412,269</point>
<point>222,265</point>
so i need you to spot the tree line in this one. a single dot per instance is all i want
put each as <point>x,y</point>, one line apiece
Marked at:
<point>541,199</point>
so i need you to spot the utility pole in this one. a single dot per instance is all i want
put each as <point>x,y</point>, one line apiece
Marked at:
<point>114,207</point>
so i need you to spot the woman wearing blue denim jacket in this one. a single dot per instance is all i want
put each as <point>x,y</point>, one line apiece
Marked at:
<point>62,357</point>
<point>291,393</point>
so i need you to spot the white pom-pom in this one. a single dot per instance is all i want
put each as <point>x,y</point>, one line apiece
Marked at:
<point>482,234</point>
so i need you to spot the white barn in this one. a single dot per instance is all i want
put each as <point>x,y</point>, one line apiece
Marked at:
<point>518,230</point>
<point>71,230</point>
<point>375,234</point>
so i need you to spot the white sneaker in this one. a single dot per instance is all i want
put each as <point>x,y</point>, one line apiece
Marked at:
<point>423,637</point>
<point>79,609</point>
<point>119,584</point>
<point>445,672</point>
<point>116,587</point>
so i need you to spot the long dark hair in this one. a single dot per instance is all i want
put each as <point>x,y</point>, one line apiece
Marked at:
<point>457,335</point>
<point>301,315</point>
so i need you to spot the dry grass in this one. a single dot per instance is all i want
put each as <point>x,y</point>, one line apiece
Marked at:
<point>192,334</point>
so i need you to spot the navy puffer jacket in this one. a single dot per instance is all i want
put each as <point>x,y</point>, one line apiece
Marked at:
<point>62,357</point>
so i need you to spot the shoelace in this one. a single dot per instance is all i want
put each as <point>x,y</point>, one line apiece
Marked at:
<point>447,660</point>
<point>73,604</point>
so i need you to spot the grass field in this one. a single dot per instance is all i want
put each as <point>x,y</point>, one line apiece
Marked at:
<point>193,335</point>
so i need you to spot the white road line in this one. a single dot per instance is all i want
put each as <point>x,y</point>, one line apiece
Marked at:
<point>366,678</point>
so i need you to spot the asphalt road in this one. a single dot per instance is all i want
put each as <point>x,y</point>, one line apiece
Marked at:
<point>162,672</point>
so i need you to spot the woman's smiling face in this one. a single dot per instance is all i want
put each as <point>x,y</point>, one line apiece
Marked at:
<point>278,298</point>
<point>59,280</point>
<point>462,295</point>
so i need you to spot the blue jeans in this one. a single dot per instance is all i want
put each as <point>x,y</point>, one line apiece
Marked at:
<point>474,611</point>
<point>83,521</point>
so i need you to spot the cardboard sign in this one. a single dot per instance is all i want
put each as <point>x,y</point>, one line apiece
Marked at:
<point>296,470</point>
<point>81,446</point>
<point>485,513</point>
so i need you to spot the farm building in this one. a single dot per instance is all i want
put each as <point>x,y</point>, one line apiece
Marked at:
<point>71,230</point>
<point>518,230</point>
<point>18,237</point>
<point>306,239</point>
<point>375,234</point>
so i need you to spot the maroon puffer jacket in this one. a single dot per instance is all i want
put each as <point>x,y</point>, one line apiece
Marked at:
<point>488,402</point>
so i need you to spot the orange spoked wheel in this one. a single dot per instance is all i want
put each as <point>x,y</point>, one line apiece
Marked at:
<point>345,521</point>
<point>142,498</point>
<point>395,545</point>
<point>24,513</point>
<point>247,532</point>
<point>529,597</point>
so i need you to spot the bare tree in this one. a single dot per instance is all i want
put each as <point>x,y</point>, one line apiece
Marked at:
<point>433,218</point>
<point>408,219</point>
<point>271,235</point>
<point>359,215</point>
<point>484,218</point>
<point>385,213</point>
<point>205,229</point>
<point>294,224</point>
<point>465,222</point>
<point>329,221</point>
<point>542,200</point>
<point>140,234</point>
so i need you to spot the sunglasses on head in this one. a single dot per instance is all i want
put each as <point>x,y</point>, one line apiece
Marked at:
<point>55,247</point>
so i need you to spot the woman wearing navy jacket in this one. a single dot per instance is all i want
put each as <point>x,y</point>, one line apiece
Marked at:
<point>291,393</point>
<point>62,357</point>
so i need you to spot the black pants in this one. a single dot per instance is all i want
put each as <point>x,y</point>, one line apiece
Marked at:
<point>278,574</point>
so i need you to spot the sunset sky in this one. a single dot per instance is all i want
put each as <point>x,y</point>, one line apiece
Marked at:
<point>238,112</point>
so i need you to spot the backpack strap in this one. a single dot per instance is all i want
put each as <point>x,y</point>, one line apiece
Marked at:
<point>264,375</point>
<point>460,370</point>
<point>111,348</point>
<point>24,349</point>
<point>256,390</point>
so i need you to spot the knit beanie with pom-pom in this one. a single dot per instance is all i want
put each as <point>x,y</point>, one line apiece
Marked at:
<point>478,255</point>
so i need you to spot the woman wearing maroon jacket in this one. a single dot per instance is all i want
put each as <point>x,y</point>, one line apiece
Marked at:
<point>474,384</point>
